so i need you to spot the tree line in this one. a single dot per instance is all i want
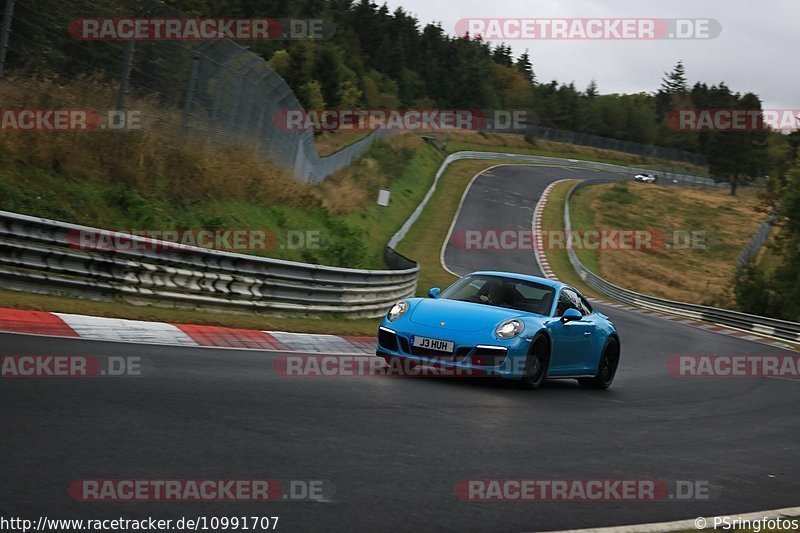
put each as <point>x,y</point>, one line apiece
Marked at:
<point>378,58</point>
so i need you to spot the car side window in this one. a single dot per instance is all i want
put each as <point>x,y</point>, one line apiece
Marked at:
<point>563,304</point>
<point>586,309</point>
<point>567,299</point>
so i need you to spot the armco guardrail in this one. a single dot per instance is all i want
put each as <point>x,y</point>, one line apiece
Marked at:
<point>41,255</point>
<point>781,329</point>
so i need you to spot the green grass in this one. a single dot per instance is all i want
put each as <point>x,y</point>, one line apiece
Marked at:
<point>701,274</point>
<point>768,259</point>
<point>328,323</point>
<point>377,224</point>
<point>424,240</point>
<point>352,239</point>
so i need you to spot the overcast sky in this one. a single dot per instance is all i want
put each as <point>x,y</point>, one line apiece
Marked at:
<point>758,49</point>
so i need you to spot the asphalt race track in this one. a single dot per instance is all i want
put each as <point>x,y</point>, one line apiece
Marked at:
<point>395,447</point>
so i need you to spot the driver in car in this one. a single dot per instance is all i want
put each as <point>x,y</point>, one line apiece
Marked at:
<point>496,295</point>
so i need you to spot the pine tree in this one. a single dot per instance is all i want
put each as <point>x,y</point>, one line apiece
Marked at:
<point>524,65</point>
<point>591,90</point>
<point>675,81</point>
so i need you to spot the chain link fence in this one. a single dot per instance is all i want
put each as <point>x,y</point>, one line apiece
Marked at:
<point>617,145</point>
<point>216,93</point>
<point>760,237</point>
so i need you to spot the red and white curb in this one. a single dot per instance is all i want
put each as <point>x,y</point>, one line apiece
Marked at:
<point>541,258</point>
<point>161,333</point>
<point>544,266</point>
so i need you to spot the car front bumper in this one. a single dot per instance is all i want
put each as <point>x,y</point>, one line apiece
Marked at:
<point>472,354</point>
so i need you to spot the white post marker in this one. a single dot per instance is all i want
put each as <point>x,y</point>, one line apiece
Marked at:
<point>383,197</point>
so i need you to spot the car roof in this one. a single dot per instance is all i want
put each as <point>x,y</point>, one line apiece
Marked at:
<point>514,275</point>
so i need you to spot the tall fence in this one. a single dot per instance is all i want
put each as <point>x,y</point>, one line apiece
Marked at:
<point>618,145</point>
<point>758,240</point>
<point>214,92</point>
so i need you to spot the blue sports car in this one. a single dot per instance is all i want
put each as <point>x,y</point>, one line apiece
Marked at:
<point>507,325</point>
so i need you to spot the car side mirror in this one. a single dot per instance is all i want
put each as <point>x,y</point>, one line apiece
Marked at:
<point>434,292</point>
<point>570,315</point>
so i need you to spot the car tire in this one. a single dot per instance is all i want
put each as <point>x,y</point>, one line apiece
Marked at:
<point>607,368</point>
<point>536,364</point>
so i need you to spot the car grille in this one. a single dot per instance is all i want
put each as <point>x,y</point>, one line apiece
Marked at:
<point>483,356</point>
<point>462,352</point>
<point>404,344</point>
<point>387,340</point>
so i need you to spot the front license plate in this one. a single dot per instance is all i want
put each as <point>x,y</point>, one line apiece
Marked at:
<point>433,344</point>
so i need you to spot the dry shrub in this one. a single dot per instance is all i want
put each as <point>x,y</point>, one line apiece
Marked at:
<point>357,185</point>
<point>341,193</point>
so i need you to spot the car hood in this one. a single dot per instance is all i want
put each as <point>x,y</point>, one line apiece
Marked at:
<point>460,316</point>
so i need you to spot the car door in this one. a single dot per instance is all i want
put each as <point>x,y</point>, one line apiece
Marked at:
<point>590,354</point>
<point>572,341</point>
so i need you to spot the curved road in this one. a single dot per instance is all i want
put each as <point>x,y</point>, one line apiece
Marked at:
<point>394,448</point>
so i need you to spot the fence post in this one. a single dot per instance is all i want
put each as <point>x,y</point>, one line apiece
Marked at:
<point>126,75</point>
<point>191,86</point>
<point>5,33</point>
<point>241,73</point>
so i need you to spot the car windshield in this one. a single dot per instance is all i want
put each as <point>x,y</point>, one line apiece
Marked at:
<point>498,291</point>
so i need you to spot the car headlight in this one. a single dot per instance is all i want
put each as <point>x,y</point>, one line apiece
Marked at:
<point>397,310</point>
<point>509,329</point>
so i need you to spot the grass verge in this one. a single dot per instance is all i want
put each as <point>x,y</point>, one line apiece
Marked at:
<point>553,221</point>
<point>696,235</point>
<point>316,324</point>
<point>515,143</point>
<point>330,142</point>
